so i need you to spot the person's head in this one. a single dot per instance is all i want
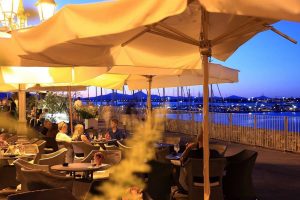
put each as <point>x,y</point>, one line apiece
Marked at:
<point>4,136</point>
<point>63,127</point>
<point>78,129</point>
<point>47,124</point>
<point>78,98</point>
<point>45,110</point>
<point>114,123</point>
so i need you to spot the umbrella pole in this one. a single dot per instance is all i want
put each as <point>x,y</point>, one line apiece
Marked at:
<point>149,105</point>
<point>96,96</point>
<point>70,110</point>
<point>21,127</point>
<point>205,52</point>
<point>101,96</point>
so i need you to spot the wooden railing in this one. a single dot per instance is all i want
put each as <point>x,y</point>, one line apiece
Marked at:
<point>275,132</point>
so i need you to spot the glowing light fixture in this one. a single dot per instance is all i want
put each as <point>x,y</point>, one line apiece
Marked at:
<point>8,9</point>
<point>46,9</point>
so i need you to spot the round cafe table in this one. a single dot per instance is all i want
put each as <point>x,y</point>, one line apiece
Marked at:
<point>174,158</point>
<point>6,156</point>
<point>87,168</point>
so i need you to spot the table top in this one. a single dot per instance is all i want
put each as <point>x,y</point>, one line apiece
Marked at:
<point>79,167</point>
<point>163,145</point>
<point>15,157</point>
<point>174,156</point>
<point>102,141</point>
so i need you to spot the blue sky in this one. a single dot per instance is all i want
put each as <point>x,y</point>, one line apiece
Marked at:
<point>269,64</point>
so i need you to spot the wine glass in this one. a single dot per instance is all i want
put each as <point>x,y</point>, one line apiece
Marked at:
<point>176,148</point>
<point>91,135</point>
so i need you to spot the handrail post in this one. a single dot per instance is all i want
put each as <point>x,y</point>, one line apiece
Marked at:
<point>286,130</point>
<point>255,129</point>
<point>231,127</point>
<point>193,123</point>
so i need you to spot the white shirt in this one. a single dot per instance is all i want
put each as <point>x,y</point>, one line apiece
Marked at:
<point>62,137</point>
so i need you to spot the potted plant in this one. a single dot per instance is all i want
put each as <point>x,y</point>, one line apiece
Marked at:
<point>89,114</point>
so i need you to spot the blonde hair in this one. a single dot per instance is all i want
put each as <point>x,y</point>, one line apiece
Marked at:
<point>60,125</point>
<point>78,131</point>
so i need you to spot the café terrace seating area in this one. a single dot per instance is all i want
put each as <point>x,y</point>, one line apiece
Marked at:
<point>68,46</point>
<point>36,168</point>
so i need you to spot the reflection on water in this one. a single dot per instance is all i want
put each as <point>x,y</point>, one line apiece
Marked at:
<point>270,120</point>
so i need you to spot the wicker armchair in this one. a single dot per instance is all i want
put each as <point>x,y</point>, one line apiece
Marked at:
<point>41,145</point>
<point>35,179</point>
<point>54,158</point>
<point>26,165</point>
<point>38,180</point>
<point>237,183</point>
<point>70,153</point>
<point>82,147</point>
<point>7,176</point>
<point>47,194</point>
<point>194,169</point>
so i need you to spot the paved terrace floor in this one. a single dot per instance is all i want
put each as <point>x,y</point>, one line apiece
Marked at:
<point>276,174</point>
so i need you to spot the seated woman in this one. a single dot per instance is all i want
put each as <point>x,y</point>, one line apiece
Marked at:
<point>79,135</point>
<point>114,133</point>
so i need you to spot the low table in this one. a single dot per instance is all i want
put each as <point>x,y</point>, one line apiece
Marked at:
<point>15,157</point>
<point>163,145</point>
<point>87,168</point>
<point>172,156</point>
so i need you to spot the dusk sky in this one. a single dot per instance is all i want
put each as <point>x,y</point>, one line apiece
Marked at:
<point>269,64</point>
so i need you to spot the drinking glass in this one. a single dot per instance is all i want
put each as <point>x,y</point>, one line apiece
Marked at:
<point>176,148</point>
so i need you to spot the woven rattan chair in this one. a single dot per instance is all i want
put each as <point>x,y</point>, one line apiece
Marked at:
<point>54,158</point>
<point>19,163</point>
<point>47,194</point>
<point>194,169</point>
<point>82,147</point>
<point>238,183</point>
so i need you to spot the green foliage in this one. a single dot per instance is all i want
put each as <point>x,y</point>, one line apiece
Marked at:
<point>55,103</point>
<point>31,101</point>
<point>87,112</point>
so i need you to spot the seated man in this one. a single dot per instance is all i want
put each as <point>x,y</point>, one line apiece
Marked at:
<point>114,133</point>
<point>62,133</point>
<point>193,150</point>
<point>47,125</point>
<point>64,141</point>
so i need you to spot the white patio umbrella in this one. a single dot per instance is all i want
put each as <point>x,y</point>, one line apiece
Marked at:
<point>20,79</point>
<point>188,77</point>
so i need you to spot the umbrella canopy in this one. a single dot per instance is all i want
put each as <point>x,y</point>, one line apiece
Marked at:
<point>56,88</point>
<point>35,75</point>
<point>217,74</point>
<point>139,43</point>
<point>283,10</point>
<point>188,77</point>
